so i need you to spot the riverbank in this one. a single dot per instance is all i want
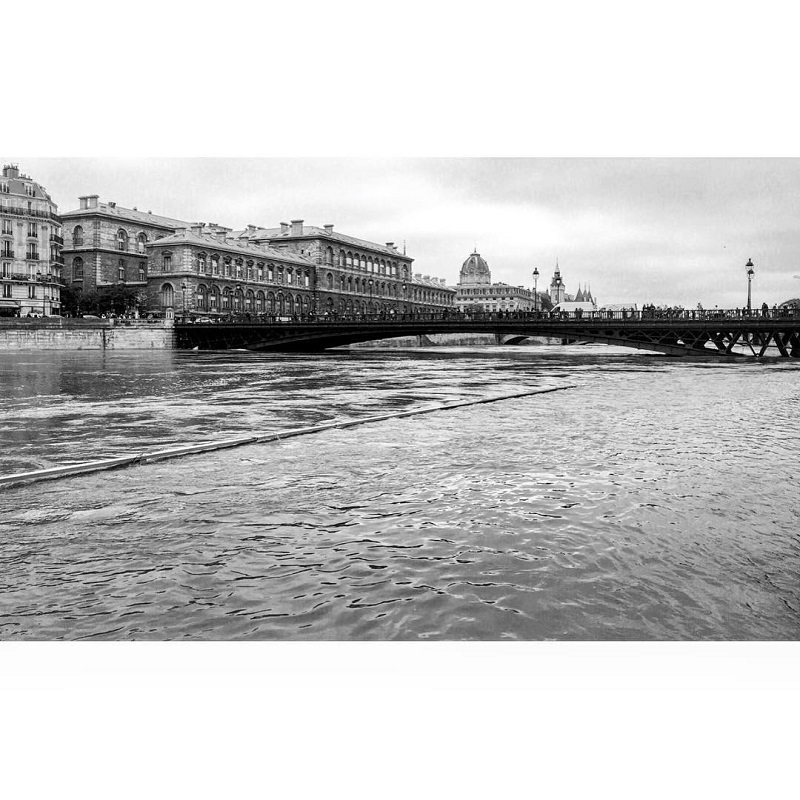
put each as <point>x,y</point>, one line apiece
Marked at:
<point>61,333</point>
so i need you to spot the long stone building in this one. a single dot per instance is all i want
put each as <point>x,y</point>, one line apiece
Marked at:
<point>210,270</point>
<point>106,244</point>
<point>30,247</point>
<point>355,276</point>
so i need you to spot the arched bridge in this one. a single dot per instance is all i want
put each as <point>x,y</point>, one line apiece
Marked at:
<point>718,333</point>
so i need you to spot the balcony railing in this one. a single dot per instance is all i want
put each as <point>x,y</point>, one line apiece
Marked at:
<point>56,239</point>
<point>23,212</point>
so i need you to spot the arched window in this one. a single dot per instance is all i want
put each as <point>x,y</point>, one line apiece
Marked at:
<point>77,236</point>
<point>349,259</point>
<point>213,298</point>
<point>249,299</point>
<point>77,267</point>
<point>202,298</point>
<point>226,299</point>
<point>122,240</point>
<point>329,256</point>
<point>141,242</point>
<point>289,304</point>
<point>167,295</point>
<point>271,302</point>
<point>342,259</point>
<point>260,302</point>
<point>329,279</point>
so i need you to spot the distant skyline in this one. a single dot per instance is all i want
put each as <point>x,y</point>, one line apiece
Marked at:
<point>666,231</point>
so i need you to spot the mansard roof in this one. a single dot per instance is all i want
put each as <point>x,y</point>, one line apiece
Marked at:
<point>211,242</point>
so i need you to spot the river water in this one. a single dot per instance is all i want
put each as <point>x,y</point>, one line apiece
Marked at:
<point>655,500</point>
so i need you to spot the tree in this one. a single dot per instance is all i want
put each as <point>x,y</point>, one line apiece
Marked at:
<point>71,301</point>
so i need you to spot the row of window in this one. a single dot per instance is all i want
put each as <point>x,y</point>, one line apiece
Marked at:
<point>364,262</point>
<point>122,270</point>
<point>123,239</point>
<point>31,251</point>
<point>4,188</point>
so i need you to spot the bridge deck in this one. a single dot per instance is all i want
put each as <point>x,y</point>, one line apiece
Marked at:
<point>723,333</point>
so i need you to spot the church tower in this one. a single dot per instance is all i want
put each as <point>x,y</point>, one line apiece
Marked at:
<point>557,290</point>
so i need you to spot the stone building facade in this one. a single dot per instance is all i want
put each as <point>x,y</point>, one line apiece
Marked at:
<point>199,271</point>
<point>105,244</point>
<point>30,247</point>
<point>355,276</point>
<point>476,292</point>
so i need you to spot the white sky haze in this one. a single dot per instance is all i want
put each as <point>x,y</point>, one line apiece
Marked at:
<point>668,231</point>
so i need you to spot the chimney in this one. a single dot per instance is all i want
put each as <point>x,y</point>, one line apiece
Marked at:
<point>284,228</point>
<point>297,227</point>
<point>197,227</point>
<point>390,245</point>
<point>11,171</point>
<point>111,205</point>
<point>251,228</point>
<point>221,235</point>
<point>329,230</point>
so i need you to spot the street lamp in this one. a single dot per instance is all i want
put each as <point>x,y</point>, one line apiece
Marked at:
<point>749,267</point>
<point>183,293</point>
<point>535,283</point>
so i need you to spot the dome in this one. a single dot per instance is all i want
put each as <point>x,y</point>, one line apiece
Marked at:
<point>475,270</point>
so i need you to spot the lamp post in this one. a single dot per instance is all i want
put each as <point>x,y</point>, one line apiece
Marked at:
<point>183,293</point>
<point>535,284</point>
<point>749,267</point>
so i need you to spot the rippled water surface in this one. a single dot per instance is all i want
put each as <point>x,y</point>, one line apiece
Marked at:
<point>655,500</point>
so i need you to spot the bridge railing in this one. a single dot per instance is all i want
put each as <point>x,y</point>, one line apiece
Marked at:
<point>647,314</point>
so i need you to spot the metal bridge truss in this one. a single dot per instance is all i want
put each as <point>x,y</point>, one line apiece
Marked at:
<point>719,336</point>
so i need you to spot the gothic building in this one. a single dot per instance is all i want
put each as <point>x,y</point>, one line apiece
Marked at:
<point>30,247</point>
<point>476,292</point>
<point>566,302</point>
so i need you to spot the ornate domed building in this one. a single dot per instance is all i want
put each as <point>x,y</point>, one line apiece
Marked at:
<point>475,271</point>
<point>475,290</point>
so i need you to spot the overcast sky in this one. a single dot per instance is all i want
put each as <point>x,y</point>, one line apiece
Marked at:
<point>673,231</point>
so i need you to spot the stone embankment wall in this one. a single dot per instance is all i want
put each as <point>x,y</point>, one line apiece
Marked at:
<point>83,334</point>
